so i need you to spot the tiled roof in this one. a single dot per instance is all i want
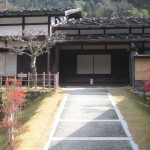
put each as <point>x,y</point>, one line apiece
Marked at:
<point>34,12</point>
<point>116,21</point>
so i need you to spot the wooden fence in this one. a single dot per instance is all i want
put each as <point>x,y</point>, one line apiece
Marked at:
<point>41,80</point>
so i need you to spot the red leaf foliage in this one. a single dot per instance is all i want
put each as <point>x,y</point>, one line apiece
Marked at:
<point>147,86</point>
<point>12,100</point>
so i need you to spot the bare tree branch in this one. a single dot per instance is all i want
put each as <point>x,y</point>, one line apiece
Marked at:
<point>32,44</point>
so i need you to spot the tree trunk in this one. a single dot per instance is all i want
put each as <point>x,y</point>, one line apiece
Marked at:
<point>11,131</point>
<point>33,65</point>
<point>33,70</point>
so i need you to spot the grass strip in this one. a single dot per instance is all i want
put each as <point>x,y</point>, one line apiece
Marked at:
<point>136,113</point>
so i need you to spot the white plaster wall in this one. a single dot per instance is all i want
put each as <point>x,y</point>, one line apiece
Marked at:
<point>137,30</point>
<point>2,63</point>
<point>70,32</point>
<point>96,47</point>
<point>43,28</point>
<point>11,20</point>
<point>10,30</point>
<point>36,19</point>
<point>85,64</point>
<point>117,31</point>
<point>147,30</point>
<point>96,31</point>
<point>117,46</point>
<point>102,64</point>
<point>52,20</point>
<point>8,64</point>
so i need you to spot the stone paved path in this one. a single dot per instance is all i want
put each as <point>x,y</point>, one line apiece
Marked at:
<point>89,120</point>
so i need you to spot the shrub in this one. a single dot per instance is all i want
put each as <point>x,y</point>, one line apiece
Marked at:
<point>12,101</point>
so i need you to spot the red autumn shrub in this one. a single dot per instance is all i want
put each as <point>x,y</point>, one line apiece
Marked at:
<point>147,86</point>
<point>12,99</point>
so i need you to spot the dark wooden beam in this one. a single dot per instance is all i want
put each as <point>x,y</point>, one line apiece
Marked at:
<point>57,49</point>
<point>23,25</point>
<point>48,61</point>
<point>49,24</point>
<point>133,50</point>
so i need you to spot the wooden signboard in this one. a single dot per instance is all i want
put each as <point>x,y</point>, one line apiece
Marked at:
<point>22,75</point>
<point>142,68</point>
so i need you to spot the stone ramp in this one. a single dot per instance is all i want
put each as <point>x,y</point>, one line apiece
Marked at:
<point>89,121</point>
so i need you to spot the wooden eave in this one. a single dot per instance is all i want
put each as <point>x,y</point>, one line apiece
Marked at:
<point>69,27</point>
<point>104,40</point>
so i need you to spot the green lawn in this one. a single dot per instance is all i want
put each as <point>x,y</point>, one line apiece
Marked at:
<point>136,113</point>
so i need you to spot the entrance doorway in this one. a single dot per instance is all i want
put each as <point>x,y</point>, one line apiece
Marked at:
<point>105,67</point>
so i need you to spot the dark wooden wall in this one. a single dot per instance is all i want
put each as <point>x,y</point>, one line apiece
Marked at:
<point>119,67</point>
<point>23,64</point>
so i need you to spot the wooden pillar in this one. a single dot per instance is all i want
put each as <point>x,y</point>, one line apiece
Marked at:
<point>48,61</point>
<point>57,64</point>
<point>133,51</point>
<point>57,58</point>
<point>1,81</point>
<point>130,69</point>
<point>49,25</point>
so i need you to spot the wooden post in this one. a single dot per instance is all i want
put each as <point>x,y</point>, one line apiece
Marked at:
<point>49,79</point>
<point>133,53</point>
<point>48,61</point>
<point>56,85</point>
<point>43,79</point>
<point>55,81</point>
<point>1,80</point>
<point>36,80</point>
<point>15,79</point>
<point>28,79</point>
<point>21,81</point>
<point>7,80</point>
<point>57,58</point>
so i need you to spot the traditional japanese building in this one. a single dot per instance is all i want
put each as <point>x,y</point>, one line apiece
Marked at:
<point>110,51</point>
<point>14,22</point>
<point>105,51</point>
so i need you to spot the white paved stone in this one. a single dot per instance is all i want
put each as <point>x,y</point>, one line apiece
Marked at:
<point>89,129</point>
<point>90,145</point>
<point>90,120</point>
<point>89,103</point>
<point>89,114</point>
